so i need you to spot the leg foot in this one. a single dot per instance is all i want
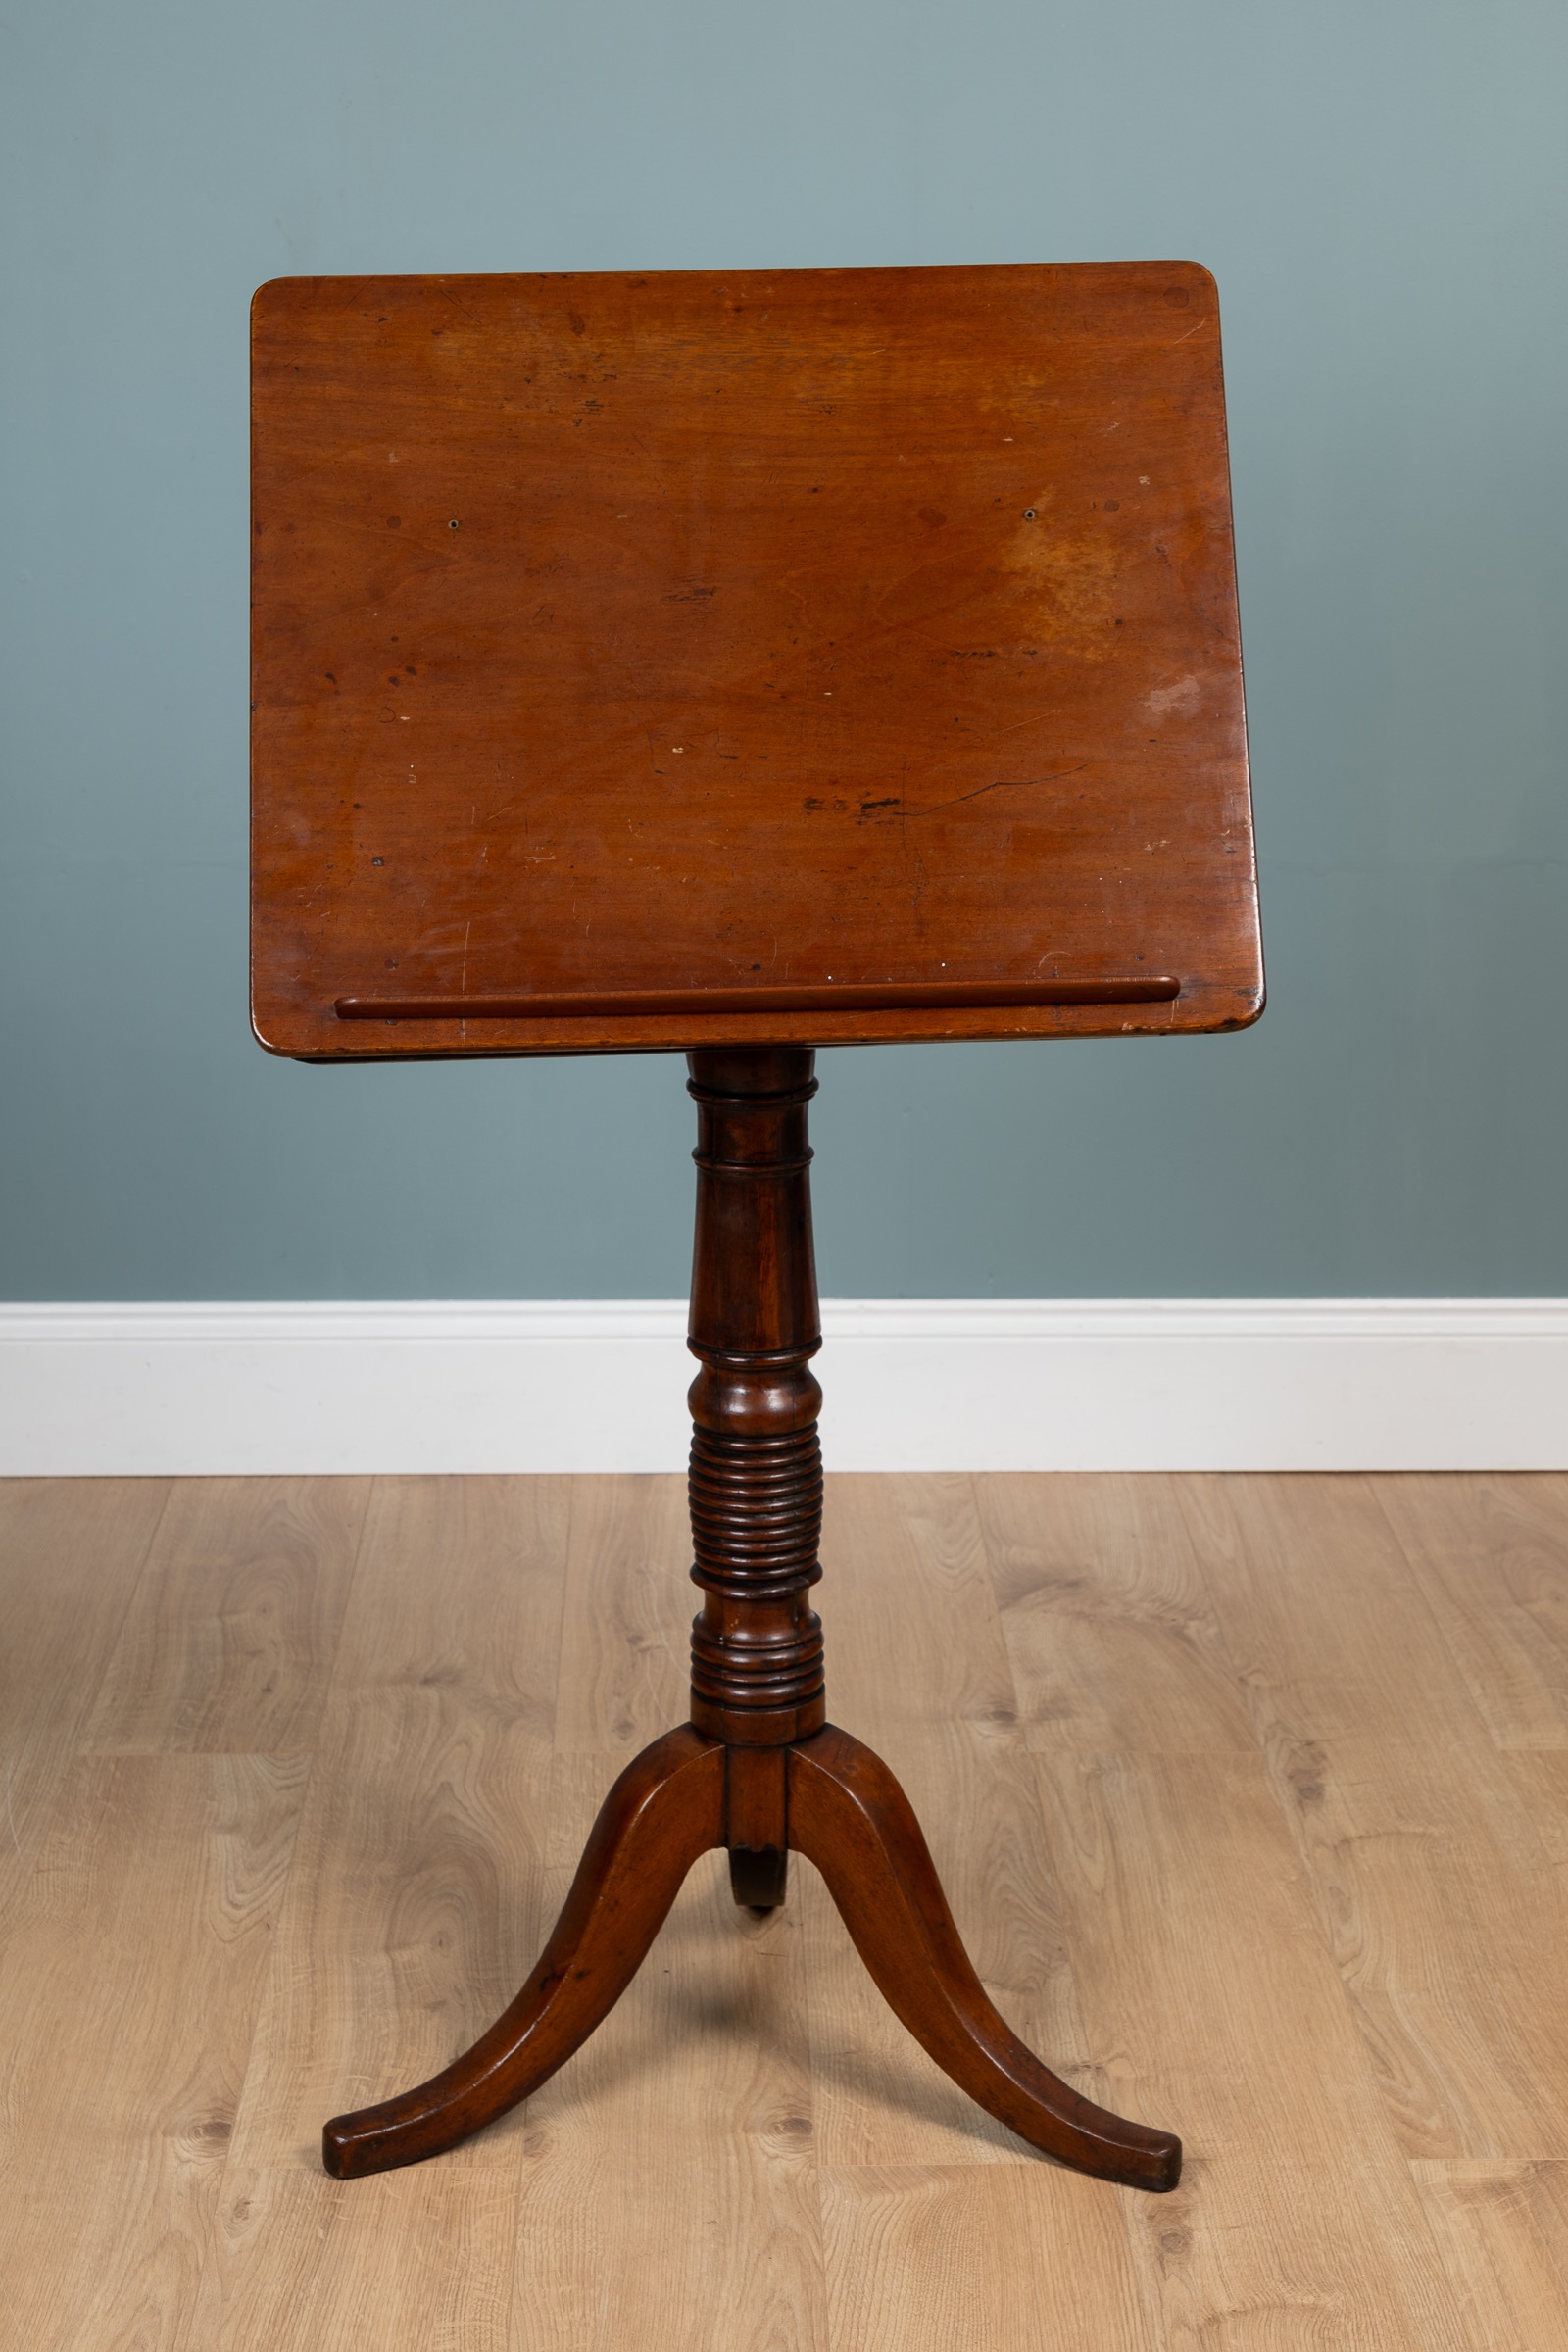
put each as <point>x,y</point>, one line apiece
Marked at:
<point>666,1808</point>
<point>759,1881</point>
<point>848,1814</point>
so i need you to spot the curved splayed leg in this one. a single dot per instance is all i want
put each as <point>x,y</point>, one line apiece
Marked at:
<point>847,1815</point>
<point>666,1808</point>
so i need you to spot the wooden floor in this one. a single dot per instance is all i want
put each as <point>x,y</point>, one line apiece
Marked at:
<point>1250,1795</point>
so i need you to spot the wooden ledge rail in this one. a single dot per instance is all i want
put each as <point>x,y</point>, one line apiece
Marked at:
<point>830,997</point>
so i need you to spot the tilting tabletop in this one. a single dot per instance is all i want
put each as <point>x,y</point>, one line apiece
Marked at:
<point>711,658</point>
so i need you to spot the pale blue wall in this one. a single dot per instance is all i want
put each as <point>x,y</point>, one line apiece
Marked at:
<point>1379,186</point>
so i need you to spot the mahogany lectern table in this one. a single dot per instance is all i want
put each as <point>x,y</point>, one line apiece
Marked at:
<point>735,662</point>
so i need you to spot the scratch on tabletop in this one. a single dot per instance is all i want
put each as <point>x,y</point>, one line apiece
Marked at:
<point>1003,784</point>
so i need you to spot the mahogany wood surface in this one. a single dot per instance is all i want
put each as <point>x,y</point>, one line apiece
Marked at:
<point>626,644</point>
<point>757,1769</point>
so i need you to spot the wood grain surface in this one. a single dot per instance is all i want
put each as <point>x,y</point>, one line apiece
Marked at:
<point>866,638</point>
<point>233,1624</point>
<point>1437,1899</point>
<point>1327,1951</point>
<point>1108,1625</point>
<point>1503,2231</point>
<point>133,1967</point>
<point>414,1914</point>
<point>1321,1656</point>
<point>1489,1550</point>
<point>61,1605</point>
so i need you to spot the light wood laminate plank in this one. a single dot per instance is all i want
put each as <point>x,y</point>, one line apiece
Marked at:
<point>1111,1634</point>
<point>130,1985</point>
<point>929,2257</point>
<point>70,1552</point>
<point>1502,2232</point>
<point>1540,1776</point>
<point>1489,1550</point>
<point>625,1640</point>
<point>1216,2010</point>
<point>413,1914</point>
<point>1439,1901</point>
<point>229,1639</point>
<point>913,1634</point>
<point>1321,1613</point>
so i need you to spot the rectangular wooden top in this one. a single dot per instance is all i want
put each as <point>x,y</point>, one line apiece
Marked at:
<point>801,655</point>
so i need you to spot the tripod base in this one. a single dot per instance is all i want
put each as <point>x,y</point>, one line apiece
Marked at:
<point>827,1797</point>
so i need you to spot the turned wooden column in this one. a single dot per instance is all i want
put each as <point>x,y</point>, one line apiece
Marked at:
<point>755,1464</point>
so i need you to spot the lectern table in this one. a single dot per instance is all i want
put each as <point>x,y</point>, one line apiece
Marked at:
<point>733,663</point>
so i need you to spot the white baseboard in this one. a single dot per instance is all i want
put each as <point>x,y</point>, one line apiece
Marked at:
<point>1135,1383</point>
